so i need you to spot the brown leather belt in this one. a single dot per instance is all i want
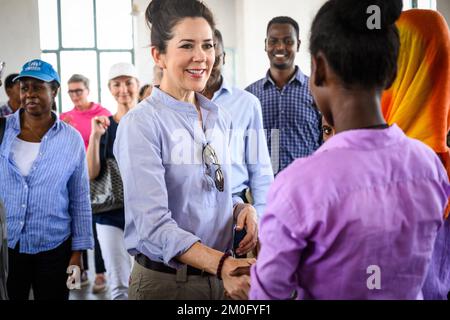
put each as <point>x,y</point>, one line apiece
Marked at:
<point>144,261</point>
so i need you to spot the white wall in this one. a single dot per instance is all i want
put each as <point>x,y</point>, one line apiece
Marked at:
<point>19,35</point>
<point>243,25</point>
<point>443,6</point>
<point>143,59</point>
<point>242,22</point>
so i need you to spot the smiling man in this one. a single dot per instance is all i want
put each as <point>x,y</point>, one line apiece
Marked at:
<point>289,114</point>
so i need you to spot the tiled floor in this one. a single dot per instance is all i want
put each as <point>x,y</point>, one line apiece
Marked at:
<point>85,293</point>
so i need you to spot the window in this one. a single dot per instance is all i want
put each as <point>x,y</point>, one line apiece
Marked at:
<point>420,4</point>
<point>86,37</point>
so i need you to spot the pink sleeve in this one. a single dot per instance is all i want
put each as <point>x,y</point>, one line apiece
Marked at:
<point>105,112</point>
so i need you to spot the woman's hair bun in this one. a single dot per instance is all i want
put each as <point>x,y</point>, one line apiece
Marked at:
<point>353,13</point>
<point>153,9</point>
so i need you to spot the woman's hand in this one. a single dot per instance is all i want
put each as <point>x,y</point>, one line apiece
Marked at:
<point>247,218</point>
<point>236,287</point>
<point>99,125</point>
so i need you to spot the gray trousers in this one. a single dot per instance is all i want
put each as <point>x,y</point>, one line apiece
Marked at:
<point>146,284</point>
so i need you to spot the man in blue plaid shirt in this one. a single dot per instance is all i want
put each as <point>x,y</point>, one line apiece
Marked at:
<point>291,119</point>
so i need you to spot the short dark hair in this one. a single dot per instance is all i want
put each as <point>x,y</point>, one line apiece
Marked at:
<point>9,80</point>
<point>359,55</point>
<point>54,85</point>
<point>284,20</point>
<point>163,15</point>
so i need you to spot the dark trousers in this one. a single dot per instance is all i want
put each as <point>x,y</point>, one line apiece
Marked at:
<point>99,263</point>
<point>45,272</point>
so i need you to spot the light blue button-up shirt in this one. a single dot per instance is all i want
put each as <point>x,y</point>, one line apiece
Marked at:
<point>170,200</point>
<point>52,203</point>
<point>251,165</point>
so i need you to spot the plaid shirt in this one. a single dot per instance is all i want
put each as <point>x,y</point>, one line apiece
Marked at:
<point>5,110</point>
<point>291,119</point>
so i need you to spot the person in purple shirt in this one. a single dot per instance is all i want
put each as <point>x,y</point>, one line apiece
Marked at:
<point>357,219</point>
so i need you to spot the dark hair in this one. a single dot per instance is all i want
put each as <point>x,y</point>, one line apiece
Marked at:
<point>142,91</point>
<point>54,85</point>
<point>9,80</point>
<point>163,15</point>
<point>284,20</point>
<point>358,55</point>
<point>143,88</point>
<point>219,38</point>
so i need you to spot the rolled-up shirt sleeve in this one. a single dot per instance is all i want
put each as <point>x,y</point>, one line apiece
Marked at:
<point>150,228</point>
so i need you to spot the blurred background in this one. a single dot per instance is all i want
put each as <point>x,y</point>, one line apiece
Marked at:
<point>88,36</point>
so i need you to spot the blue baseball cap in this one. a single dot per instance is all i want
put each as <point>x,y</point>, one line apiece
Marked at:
<point>40,70</point>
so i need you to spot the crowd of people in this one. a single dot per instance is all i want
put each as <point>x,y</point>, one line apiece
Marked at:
<point>333,186</point>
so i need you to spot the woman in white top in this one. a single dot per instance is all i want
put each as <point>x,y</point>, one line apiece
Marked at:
<point>124,87</point>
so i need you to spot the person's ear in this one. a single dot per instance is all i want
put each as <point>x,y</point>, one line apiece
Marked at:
<point>299,42</point>
<point>265,44</point>
<point>319,69</point>
<point>158,57</point>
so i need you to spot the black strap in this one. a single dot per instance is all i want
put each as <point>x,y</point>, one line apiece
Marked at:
<point>2,128</point>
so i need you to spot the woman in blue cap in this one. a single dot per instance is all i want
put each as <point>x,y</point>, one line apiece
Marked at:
<point>45,189</point>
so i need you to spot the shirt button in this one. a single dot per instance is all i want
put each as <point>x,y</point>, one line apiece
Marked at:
<point>21,223</point>
<point>24,206</point>
<point>25,187</point>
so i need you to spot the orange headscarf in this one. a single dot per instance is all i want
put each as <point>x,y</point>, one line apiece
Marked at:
<point>419,99</point>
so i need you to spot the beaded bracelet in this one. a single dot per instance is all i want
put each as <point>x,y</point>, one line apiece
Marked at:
<point>220,266</point>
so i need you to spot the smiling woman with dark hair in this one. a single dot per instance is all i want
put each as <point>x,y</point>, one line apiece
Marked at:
<point>45,189</point>
<point>178,205</point>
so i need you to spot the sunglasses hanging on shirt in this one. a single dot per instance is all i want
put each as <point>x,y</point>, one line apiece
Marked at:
<point>213,165</point>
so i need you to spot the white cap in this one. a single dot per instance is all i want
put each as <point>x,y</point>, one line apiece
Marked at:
<point>122,69</point>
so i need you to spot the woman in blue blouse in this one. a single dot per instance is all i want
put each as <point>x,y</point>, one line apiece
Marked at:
<point>173,155</point>
<point>45,189</point>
